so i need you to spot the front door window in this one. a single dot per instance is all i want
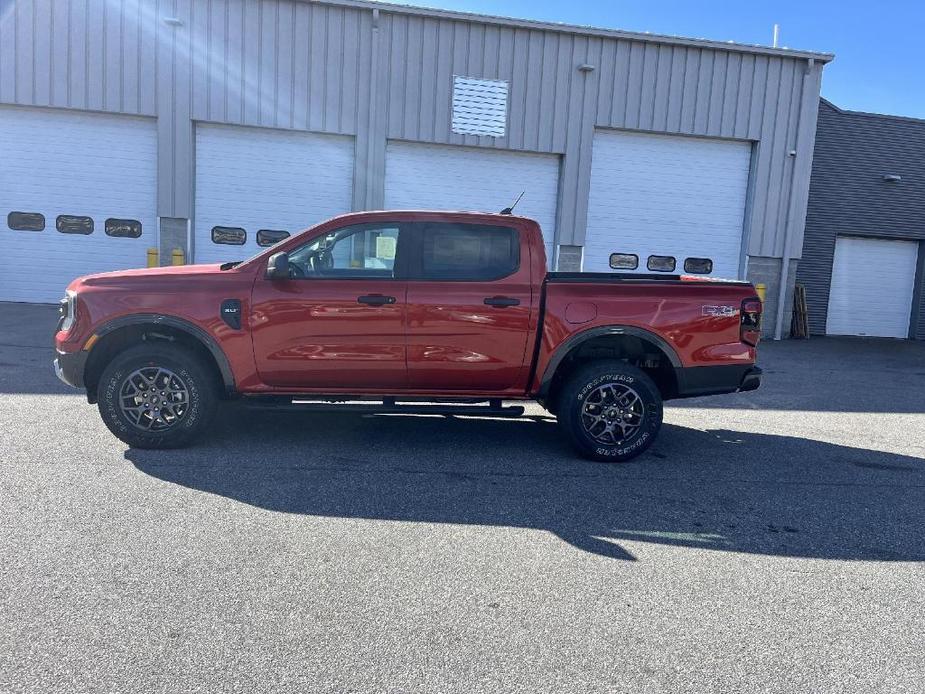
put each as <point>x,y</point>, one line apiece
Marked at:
<point>358,251</point>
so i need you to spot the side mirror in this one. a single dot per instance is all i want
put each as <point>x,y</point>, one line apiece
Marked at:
<point>278,266</point>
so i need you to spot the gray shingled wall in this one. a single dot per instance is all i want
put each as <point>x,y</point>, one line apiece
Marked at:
<point>848,195</point>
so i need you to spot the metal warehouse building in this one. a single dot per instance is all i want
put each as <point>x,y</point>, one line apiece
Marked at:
<point>864,253</point>
<point>218,126</point>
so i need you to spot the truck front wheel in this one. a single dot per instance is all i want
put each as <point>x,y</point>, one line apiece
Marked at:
<point>157,396</point>
<point>610,410</point>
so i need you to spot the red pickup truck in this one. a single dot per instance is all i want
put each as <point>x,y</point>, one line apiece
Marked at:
<point>409,312</point>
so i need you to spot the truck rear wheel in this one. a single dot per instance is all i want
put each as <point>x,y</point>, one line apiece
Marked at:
<point>610,410</point>
<point>157,396</point>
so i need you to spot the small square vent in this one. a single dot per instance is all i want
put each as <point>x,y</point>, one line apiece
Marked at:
<point>479,106</point>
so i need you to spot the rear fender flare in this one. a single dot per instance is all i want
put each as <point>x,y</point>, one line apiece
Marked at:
<point>579,338</point>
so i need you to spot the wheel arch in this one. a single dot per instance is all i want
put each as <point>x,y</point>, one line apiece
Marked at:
<point>120,333</point>
<point>623,342</point>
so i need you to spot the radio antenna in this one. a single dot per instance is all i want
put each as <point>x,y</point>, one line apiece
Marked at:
<point>510,210</point>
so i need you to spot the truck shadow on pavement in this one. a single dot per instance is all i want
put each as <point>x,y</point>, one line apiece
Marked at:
<point>717,490</point>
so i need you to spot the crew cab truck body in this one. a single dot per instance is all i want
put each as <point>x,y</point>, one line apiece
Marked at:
<point>410,307</point>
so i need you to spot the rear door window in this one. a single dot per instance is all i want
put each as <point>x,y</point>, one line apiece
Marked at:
<point>466,252</point>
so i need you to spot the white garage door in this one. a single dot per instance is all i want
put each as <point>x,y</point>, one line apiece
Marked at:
<point>872,287</point>
<point>669,196</point>
<point>442,177</point>
<point>253,179</point>
<point>71,172</point>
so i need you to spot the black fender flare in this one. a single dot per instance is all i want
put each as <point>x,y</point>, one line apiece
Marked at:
<point>191,329</point>
<point>579,338</point>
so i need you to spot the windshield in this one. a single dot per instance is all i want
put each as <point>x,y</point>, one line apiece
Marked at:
<point>236,263</point>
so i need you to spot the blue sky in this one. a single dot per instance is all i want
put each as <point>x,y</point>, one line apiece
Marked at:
<point>879,62</point>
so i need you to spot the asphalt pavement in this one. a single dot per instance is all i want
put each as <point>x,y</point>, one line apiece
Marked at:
<point>769,541</point>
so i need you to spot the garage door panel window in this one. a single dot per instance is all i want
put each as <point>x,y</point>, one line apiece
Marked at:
<point>467,252</point>
<point>661,263</point>
<point>26,221</point>
<point>356,251</point>
<point>655,194</point>
<point>698,266</point>
<point>86,167</point>
<point>270,237</point>
<point>74,224</point>
<point>123,228</point>
<point>261,178</point>
<point>624,261</point>
<point>229,236</point>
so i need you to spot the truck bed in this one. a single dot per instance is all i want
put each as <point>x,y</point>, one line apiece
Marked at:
<point>599,277</point>
<point>692,323</point>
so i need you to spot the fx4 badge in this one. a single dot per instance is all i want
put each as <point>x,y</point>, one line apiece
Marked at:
<point>720,311</point>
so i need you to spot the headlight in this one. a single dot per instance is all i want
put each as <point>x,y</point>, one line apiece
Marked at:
<point>67,310</point>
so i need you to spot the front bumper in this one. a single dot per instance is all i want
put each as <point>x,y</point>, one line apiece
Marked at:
<point>69,368</point>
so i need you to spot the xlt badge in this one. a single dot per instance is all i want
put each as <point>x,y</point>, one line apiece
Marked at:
<point>231,313</point>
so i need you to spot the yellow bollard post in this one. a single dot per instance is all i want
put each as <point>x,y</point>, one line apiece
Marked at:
<point>152,257</point>
<point>761,290</point>
<point>176,257</point>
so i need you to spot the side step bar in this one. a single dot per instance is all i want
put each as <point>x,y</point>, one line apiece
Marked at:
<point>388,406</point>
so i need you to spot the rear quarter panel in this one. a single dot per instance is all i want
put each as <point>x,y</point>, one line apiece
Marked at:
<point>678,312</point>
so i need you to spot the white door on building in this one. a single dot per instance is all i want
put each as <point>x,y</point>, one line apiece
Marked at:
<point>255,185</point>
<point>668,197</point>
<point>873,282</point>
<point>446,177</point>
<point>78,195</point>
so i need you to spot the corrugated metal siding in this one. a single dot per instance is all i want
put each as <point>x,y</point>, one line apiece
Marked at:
<point>86,54</point>
<point>849,196</point>
<point>278,64</point>
<point>554,107</point>
<point>335,68</point>
<point>693,91</point>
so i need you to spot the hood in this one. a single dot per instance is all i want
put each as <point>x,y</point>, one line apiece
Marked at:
<point>119,277</point>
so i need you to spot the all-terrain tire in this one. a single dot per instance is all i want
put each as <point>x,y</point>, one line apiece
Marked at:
<point>172,375</point>
<point>610,411</point>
